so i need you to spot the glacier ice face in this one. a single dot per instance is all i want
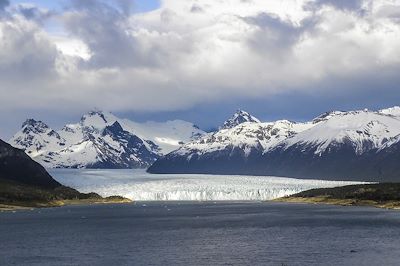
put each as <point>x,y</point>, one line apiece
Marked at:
<point>141,186</point>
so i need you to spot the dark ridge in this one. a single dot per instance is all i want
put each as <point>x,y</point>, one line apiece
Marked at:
<point>382,192</point>
<point>25,183</point>
<point>17,166</point>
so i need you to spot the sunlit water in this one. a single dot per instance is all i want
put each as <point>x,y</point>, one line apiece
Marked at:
<point>170,233</point>
<point>141,186</point>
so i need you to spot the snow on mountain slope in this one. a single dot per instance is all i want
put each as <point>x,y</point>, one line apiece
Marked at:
<point>247,136</point>
<point>394,111</point>
<point>168,136</point>
<point>391,142</point>
<point>228,150</point>
<point>243,144</point>
<point>245,132</point>
<point>364,130</point>
<point>79,155</point>
<point>35,137</point>
<point>354,145</point>
<point>326,116</point>
<point>116,148</point>
<point>84,144</point>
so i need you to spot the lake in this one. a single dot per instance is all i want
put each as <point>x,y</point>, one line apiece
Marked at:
<point>195,233</point>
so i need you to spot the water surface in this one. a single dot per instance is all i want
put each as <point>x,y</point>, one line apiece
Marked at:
<point>234,233</point>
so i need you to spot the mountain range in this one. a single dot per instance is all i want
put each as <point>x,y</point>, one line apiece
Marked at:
<point>102,140</point>
<point>337,145</point>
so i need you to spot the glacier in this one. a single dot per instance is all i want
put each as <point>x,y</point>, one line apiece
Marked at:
<point>138,185</point>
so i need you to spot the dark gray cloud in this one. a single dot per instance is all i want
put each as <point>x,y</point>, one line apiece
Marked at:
<point>273,33</point>
<point>276,36</point>
<point>27,55</point>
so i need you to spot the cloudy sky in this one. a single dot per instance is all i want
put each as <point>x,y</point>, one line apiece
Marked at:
<point>197,60</point>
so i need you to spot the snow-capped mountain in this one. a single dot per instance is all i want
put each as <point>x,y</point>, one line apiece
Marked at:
<point>102,140</point>
<point>348,146</point>
<point>113,148</point>
<point>238,118</point>
<point>36,136</point>
<point>241,135</point>
<point>247,137</point>
<point>342,145</point>
<point>228,149</point>
<point>362,130</point>
<point>335,145</point>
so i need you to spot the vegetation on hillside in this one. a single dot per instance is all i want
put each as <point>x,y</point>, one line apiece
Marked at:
<point>385,195</point>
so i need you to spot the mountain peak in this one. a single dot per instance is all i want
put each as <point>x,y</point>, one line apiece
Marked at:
<point>93,114</point>
<point>115,128</point>
<point>35,126</point>
<point>33,123</point>
<point>327,115</point>
<point>239,117</point>
<point>97,120</point>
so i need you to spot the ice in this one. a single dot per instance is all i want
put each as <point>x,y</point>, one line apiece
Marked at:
<point>141,186</point>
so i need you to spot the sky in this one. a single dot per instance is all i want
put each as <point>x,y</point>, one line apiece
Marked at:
<point>195,60</point>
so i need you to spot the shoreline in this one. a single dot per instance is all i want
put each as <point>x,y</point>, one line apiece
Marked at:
<point>6,207</point>
<point>379,195</point>
<point>392,205</point>
<point>19,196</point>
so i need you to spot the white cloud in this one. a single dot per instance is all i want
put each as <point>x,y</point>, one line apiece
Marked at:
<point>71,47</point>
<point>192,52</point>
